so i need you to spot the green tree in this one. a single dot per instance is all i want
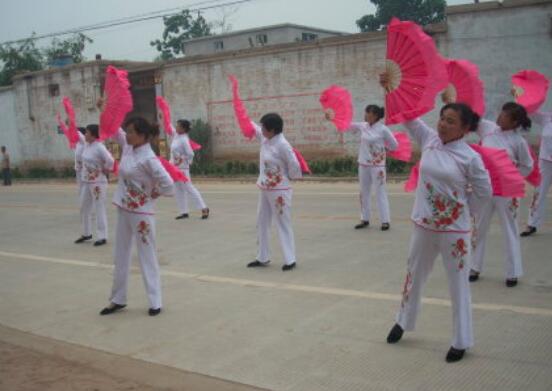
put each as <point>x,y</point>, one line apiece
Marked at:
<point>73,46</point>
<point>21,57</point>
<point>422,12</point>
<point>178,29</point>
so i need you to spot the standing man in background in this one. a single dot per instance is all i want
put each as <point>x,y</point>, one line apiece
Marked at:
<point>6,173</point>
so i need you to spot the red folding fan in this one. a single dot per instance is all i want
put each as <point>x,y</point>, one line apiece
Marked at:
<point>465,86</point>
<point>165,110</point>
<point>337,102</point>
<point>71,131</point>
<point>173,171</point>
<point>415,72</point>
<point>118,101</point>
<point>530,89</point>
<point>240,111</point>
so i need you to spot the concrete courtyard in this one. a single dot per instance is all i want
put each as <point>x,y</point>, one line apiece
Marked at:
<point>319,327</point>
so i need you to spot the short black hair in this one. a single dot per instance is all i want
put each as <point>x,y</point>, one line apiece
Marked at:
<point>518,114</point>
<point>377,110</point>
<point>81,129</point>
<point>468,117</point>
<point>143,126</point>
<point>185,124</point>
<point>273,123</point>
<point>94,130</point>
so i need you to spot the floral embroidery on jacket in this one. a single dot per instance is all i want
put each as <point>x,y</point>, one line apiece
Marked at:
<point>143,229</point>
<point>273,177</point>
<point>178,160</point>
<point>97,191</point>
<point>134,197</point>
<point>92,173</point>
<point>534,204</point>
<point>445,210</point>
<point>459,251</point>
<point>406,288</point>
<point>378,154</point>
<point>280,203</point>
<point>514,206</point>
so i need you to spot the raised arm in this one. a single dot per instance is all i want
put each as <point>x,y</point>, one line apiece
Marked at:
<point>258,130</point>
<point>419,131</point>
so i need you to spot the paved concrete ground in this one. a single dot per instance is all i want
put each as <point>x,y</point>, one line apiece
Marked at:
<point>319,327</point>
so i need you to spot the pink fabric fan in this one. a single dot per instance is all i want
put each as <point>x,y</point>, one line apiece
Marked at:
<point>404,150</point>
<point>530,89</point>
<point>415,71</point>
<point>412,181</point>
<point>305,169</point>
<point>240,111</point>
<point>195,146</point>
<point>506,179</point>
<point>118,101</point>
<point>71,131</point>
<point>166,113</point>
<point>465,85</point>
<point>338,102</point>
<point>534,178</point>
<point>173,171</point>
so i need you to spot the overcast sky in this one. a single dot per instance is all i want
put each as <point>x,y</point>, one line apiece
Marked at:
<point>19,18</point>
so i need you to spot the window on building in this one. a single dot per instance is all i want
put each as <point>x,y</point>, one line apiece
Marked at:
<point>261,39</point>
<point>53,89</point>
<point>219,45</point>
<point>309,37</point>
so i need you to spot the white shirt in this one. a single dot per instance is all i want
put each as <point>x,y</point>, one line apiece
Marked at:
<point>544,120</point>
<point>140,173</point>
<point>182,153</point>
<point>510,140</point>
<point>95,160</point>
<point>278,163</point>
<point>446,172</point>
<point>374,140</point>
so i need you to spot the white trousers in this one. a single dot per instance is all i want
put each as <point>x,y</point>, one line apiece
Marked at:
<point>537,211</point>
<point>507,209</point>
<point>454,248</point>
<point>376,177</point>
<point>181,193</point>
<point>140,228</point>
<point>277,204</point>
<point>93,196</point>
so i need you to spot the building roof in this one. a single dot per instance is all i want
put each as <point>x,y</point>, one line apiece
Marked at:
<point>492,5</point>
<point>265,28</point>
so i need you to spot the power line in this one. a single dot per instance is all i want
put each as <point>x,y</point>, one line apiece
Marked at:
<point>133,19</point>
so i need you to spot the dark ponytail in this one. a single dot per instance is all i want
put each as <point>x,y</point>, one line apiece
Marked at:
<point>468,117</point>
<point>377,110</point>
<point>94,130</point>
<point>518,114</point>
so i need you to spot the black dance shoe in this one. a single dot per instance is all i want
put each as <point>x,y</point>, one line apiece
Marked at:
<point>112,308</point>
<point>182,216</point>
<point>205,214</point>
<point>528,232</point>
<point>395,334</point>
<point>83,238</point>
<point>291,266</point>
<point>363,224</point>
<point>258,264</point>
<point>455,355</point>
<point>100,242</point>
<point>511,282</point>
<point>385,227</point>
<point>474,276</point>
<point>154,311</point>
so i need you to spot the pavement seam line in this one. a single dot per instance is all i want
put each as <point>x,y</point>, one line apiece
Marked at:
<point>292,287</point>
